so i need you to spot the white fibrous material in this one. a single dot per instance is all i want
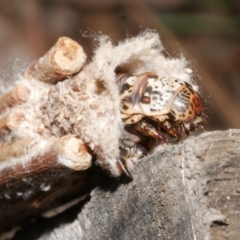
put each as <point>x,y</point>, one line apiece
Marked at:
<point>86,104</point>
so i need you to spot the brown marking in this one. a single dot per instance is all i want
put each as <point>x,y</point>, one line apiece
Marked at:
<point>145,100</point>
<point>140,86</point>
<point>192,106</point>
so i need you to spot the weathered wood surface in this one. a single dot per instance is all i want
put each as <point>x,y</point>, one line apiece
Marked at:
<point>189,190</point>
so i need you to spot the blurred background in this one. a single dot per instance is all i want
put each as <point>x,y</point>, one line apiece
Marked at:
<point>206,32</point>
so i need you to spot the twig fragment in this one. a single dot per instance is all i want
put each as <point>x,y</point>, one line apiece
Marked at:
<point>65,58</point>
<point>16,96</point>
<point>73,153</point>
<point>12,120</point>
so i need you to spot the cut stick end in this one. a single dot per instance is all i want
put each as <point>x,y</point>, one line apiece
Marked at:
<point>14,119</point>
<point>69,56</point>
<point>16,96</point>
<point>65,58</point>
<point>20,94</point>
<point>74,154</point>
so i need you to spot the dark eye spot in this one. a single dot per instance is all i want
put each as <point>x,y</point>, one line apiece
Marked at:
<point>145,100</point>
<point>125,107</point>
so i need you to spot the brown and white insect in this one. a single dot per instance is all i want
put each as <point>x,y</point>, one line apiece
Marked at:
<point>158,107</point>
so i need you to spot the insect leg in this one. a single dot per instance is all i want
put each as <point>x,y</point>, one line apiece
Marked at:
<point>126,176</point>
<point>171,130</point>
<point>192,125</point>
<point>148,129</point>
<point>130,148</point>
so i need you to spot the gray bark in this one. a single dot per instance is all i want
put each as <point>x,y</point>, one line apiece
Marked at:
<point>189,190</point>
